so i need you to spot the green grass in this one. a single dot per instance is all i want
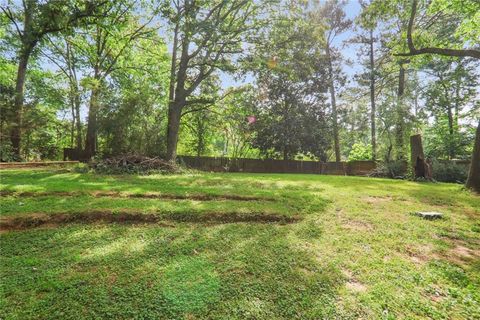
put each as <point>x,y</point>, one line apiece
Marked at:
<point>356,252</point>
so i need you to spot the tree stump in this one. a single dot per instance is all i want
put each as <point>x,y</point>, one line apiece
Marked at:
<point>421,168</point>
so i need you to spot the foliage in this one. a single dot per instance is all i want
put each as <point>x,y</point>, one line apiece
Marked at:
<point>291,86</point>
<point>448,171</point>
<point>360,151</point>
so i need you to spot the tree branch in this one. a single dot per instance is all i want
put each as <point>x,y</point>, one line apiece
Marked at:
<point>432,50</point>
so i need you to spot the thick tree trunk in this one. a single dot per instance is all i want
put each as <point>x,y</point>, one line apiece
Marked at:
<point>90,141</point>
<point>473,181</point>
<point>372,99</point>
<point>336,139</point>
<point>178,97</point>
<point>420,167</point>
<point>16,130</point>
<point>174,114</point>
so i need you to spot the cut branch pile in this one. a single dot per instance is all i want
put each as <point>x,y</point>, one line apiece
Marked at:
<point>131,163</point>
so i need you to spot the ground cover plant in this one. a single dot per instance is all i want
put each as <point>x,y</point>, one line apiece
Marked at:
<point>235,246</point>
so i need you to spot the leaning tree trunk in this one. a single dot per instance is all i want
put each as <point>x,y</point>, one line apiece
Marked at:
<point>420,167</point>
<point>473,181</point>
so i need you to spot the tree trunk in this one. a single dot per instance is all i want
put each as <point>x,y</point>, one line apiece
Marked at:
<point>174,114</point>
<point>451,142</point>
<point>78,121</point>
<point>372,98</point>
<point>16,130</point>
<point>420,167</point>
<point>473,181</point>
<point>399,132</point>
<point>72,129</point>
<point>336,139</point>
<point>72,75</point>
<point>90,141</point>
<point>178,97</point>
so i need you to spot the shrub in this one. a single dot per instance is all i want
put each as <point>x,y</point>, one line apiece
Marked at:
<point>449,172</point>
<point>360,151</point>
<point>6,152</point>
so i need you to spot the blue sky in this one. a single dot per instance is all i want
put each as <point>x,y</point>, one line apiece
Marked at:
<point>352,10</point>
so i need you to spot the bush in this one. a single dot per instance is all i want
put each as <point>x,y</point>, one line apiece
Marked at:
<point>449,172</point>
<point>360,151</point>
<point>6,152</point>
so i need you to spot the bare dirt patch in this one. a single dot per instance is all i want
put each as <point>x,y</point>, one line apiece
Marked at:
<point>460,254</point>
<point>149,195</point>
<point>353,284</point>
<point>420,254</point>
<point>55,219</point>
<point>377,199</point>
<point>357,225</point>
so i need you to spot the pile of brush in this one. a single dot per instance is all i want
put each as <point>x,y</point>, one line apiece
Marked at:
<point>132,163</point>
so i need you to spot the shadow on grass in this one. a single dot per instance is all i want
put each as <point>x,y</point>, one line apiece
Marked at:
<point>227,271</point>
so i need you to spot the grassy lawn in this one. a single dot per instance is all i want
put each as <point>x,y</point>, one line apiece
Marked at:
<point>235,246</point>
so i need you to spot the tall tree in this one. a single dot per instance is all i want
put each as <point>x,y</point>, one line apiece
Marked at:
<point>436,15</point>
<point>333,15</point>
<point>291,77</point>
<point>107,42</point>
<point>368,39</point>
<point>32,21</point>
<point>451,92</point>
<point>64,56</point>
<point>207,36</point>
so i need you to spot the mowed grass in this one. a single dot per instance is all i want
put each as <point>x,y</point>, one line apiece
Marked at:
<point>354,250</point>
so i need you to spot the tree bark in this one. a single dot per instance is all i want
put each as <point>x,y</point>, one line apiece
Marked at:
<point>75,92</point>
<point>372,98</point>
<point>400,127</point>
<point>336,139</point>
<point>16,130</point>
<point>451,142</point>
<point>72,128</point>
<point>174,114</point>
<point>178,102</point>
<point>420,167</point>
<point>90,145</point>
<point>77,120</point>
<point>473,181</point>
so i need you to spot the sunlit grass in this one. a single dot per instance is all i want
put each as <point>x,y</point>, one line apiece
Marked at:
<point>357,251</point>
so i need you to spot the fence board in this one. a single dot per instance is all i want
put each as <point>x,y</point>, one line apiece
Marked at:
<point>222,164</point>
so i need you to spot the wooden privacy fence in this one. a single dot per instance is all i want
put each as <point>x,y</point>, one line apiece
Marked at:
<point>220,164</point>
<point>39,164</point>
